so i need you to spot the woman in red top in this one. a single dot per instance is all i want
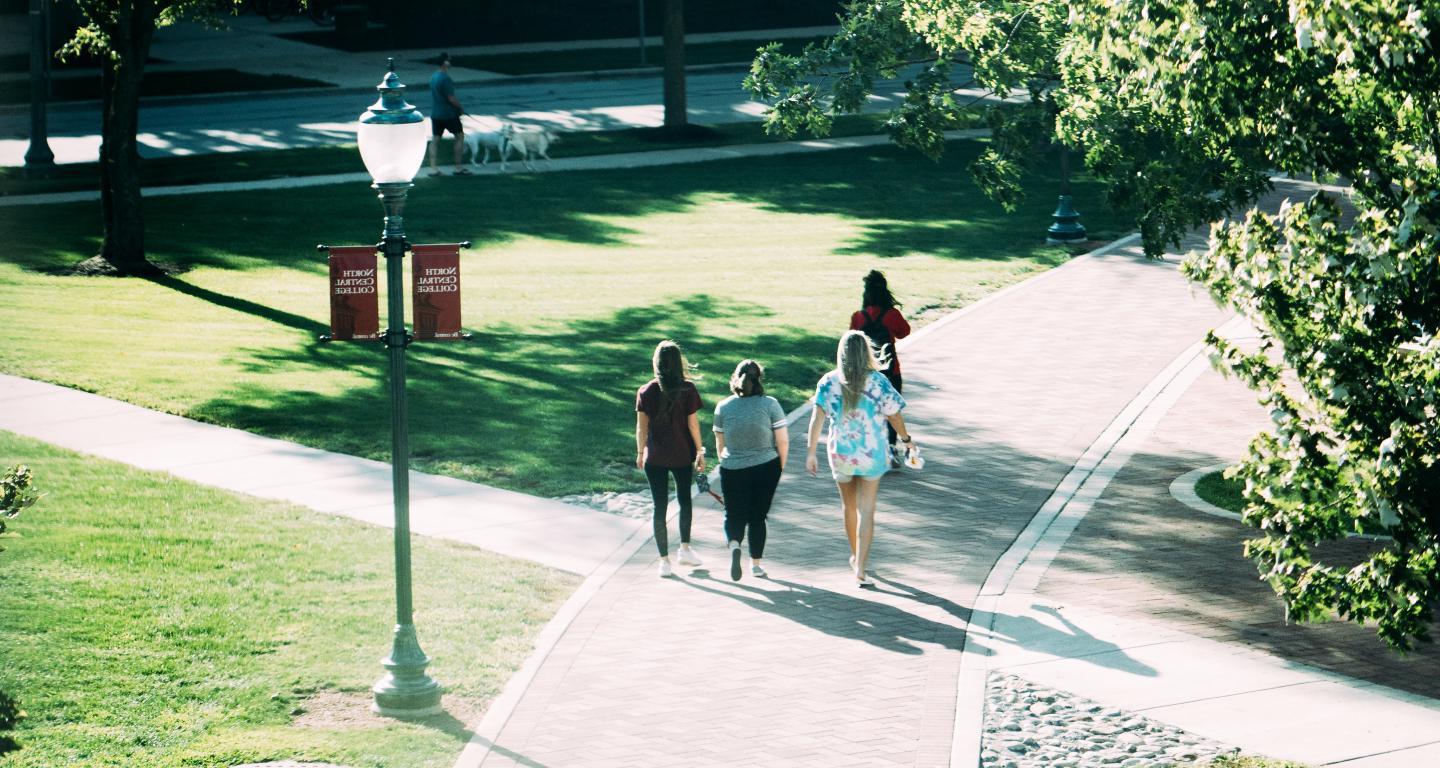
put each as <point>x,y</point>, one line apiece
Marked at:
<point>880,319</point>
<point>667,442</point>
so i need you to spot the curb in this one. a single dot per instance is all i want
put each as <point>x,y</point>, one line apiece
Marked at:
<point>498,714</point>
<point>1182,489</point>
<point>617,161</point>
<point>1019,569</point>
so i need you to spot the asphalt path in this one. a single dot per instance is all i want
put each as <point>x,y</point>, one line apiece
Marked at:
<point>277,121</point>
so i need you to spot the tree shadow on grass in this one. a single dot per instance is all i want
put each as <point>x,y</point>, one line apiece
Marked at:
<point>277,316</point>
<point>534,412</point>
<point>903,204</point>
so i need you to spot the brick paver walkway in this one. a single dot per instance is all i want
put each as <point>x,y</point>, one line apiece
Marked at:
<point>804,669</point>
<point>1142,554</point>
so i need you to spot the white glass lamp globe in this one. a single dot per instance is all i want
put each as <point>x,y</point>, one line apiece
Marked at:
<point>392,135</point>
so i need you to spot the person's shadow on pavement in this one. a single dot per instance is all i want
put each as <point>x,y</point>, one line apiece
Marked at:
<point>1033,635</point>
<point>840,615</point>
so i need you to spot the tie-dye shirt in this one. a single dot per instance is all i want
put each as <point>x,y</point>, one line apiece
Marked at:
<point>857,443</point>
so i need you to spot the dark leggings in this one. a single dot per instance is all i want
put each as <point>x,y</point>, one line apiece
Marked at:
<point>659,478</point>
<point>748,493</point>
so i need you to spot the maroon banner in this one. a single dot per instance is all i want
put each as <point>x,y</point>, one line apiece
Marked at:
<point>354,294</point>
<point>435,272</point>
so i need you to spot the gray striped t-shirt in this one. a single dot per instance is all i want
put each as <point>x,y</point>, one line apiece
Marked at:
<point>749,425</point>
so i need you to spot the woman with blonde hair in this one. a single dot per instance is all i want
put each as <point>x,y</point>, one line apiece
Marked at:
<point>667,443</point>
<point>752,443</point>
<point>858,402</point>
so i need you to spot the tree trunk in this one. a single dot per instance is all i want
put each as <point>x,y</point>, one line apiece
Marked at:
<point>120,202</point>
<point>675,111</point>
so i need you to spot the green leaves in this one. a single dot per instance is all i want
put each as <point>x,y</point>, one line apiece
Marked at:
<point>1186,109</point>
<point>1353,446</point>
<point>17,492</point>
<point>953,55</point>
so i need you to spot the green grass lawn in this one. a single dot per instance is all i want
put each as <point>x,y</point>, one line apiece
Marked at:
<point>572,280</point>
<point>315,161</point>
<point>187,83</point>
<point>148,621</point>
<point>1224,493</point>
<point>1228,494</point>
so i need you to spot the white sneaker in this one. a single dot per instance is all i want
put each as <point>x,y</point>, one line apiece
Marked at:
<point>687,557</point>
<point>665,569</point>
<point>757,571</point>
<point>734,561</point>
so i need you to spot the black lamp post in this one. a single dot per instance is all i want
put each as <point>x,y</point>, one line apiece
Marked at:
<point>642,31</point>
<point>1067,227</point>
<point>39,160</point>
<point>392,137</point>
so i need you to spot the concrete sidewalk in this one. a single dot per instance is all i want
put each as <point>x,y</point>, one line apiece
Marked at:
<point>584,163</point>
<point>1167,618</point>
<point>1152,609</point>
<point>307,117</point>
<point>496,520</point>
<point>252,44</point>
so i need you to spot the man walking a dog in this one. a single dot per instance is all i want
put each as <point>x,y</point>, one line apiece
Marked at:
<point>445,111</point>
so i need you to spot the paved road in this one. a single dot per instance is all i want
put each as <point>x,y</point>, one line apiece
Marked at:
<point>279,121</point>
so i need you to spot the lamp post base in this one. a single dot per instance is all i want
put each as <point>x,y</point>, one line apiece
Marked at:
<point>38,171</point>
<point>406,706</point>
<point>405,690</point>
<point>1067,227</point>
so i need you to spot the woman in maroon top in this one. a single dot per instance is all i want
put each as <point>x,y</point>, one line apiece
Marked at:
<point>667,442</point>
<point>879,317</point>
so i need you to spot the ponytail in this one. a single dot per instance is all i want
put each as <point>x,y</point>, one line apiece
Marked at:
<point>746,381</point>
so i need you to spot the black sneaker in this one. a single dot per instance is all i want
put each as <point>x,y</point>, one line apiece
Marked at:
<point>735,564</point>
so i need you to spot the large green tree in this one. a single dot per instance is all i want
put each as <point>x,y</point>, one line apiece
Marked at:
<point>1186,108</point>
<point>120,33</point>
<point>677,114</point>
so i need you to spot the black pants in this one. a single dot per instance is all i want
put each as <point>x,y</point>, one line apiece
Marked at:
<point>894,377</point>
<point>659,478</point>
<point>748,493</point>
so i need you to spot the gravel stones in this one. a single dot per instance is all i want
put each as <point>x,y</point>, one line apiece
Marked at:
<point>622,504</point>
<point>1031,726</point>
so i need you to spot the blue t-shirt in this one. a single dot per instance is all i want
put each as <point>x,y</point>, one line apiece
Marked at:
<point>441,89</point>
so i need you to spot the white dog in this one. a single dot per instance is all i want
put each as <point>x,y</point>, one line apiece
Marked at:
<point>478,141</point>
<point>529,142</point>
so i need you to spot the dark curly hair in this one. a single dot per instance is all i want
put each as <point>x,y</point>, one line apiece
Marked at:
<point>877,292</point>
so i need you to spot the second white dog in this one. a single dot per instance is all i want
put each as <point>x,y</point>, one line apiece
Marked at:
<point>531,142</point>
<point>478,141</point>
